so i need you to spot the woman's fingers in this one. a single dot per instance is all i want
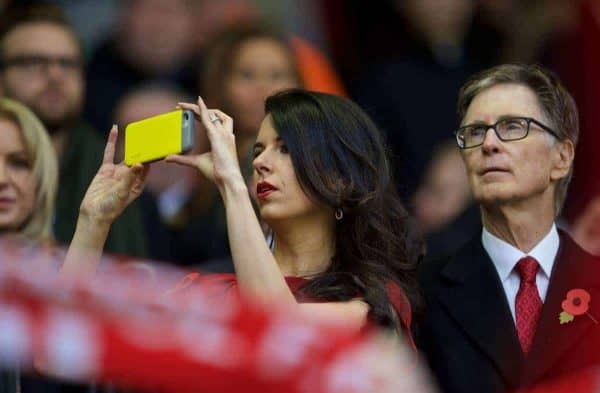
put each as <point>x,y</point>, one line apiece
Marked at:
<point>193,107</point>
<point>206,119</point>
<point>202,162</point>
<point>226,122</point>
<point>222,115</point>
<point>206,116</point>
<point>130,176</point>
<point>202,114</point>
<point>214,120</point>
<point>140,174</point>
<point>201,104</point>
<point>181,159</point>
<point>109,150</point>
<point>219,129</point>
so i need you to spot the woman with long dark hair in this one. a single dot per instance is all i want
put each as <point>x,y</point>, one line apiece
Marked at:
<point>343,246</point>
<point>244,65</point>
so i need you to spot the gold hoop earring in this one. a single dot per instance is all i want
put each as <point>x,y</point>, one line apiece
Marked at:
<point>339,214</point>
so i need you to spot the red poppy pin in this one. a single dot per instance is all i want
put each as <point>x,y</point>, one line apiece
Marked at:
<point>577,303</point>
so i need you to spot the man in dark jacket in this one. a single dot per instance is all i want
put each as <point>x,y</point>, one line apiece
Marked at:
<point>515,306</point>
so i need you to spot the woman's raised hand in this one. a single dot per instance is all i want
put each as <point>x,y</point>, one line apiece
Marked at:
<point>114,187</point>
<point>221,163</point>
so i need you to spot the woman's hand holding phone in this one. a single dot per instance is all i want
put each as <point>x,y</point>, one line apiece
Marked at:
<point>221,163</point>
<point>113,188</point>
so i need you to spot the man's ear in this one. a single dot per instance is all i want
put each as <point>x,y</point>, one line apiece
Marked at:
<point>563,156</point>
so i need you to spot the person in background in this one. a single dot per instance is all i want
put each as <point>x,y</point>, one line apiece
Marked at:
<point>28,185</point>
<point>244,65</point>
<point>403,91</point>
<point>168,187</point>
<point>516,303</point>
<point>41,65</point>
<point>153,41</point>
<point>586,228</point>
<point>215,17</point>
<point>28,175</point>
<point>443,204</point>
<point>343,245</point>
<point>575,56</point>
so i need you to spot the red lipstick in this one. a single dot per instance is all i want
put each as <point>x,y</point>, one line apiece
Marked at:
<point>264,189</point>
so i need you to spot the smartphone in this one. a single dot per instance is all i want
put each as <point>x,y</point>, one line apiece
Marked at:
<point>156,137</point>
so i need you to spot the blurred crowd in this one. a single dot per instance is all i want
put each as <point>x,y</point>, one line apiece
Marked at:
<point>83,65</point>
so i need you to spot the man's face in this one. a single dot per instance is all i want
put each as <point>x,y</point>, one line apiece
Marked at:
<point>43,70</point>
<point>506,172</point>
<point>157,35</point>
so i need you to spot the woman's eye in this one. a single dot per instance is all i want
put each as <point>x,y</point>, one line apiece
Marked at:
<point>19,162</point>
<point>246,74</point>
<point>256,153</point>
<point>283,149</point>
<point>277,76</point>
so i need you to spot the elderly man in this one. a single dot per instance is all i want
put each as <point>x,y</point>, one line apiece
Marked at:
<point>519,303</point>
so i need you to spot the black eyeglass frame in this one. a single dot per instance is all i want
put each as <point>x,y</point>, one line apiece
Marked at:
<point>529,120</point>
<point>41,61</point>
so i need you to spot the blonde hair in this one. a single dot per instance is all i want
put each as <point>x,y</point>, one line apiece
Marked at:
<point>44,164</point>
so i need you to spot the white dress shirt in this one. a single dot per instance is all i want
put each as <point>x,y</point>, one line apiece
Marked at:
<point>505,258</point>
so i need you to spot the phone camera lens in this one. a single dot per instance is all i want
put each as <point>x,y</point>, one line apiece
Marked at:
<point>186,116</point>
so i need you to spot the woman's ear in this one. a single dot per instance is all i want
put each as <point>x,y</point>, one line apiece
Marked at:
<point>563,156</point>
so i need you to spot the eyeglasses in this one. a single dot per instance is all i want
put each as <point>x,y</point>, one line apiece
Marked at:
<point>507,129</point>
<point>38,64</point>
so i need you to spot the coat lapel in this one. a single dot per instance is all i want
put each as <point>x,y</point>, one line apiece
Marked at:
<point>473,295</point>
<point>573,268</point>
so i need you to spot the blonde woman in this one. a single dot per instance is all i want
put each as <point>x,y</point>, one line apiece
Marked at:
<point>28,183</point>
<point>28,174</point>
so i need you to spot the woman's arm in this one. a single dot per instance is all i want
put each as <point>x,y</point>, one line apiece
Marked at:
<point>86,248</point>
<point>256,268</point>
<point>257,271</point>
<point>113,188</point>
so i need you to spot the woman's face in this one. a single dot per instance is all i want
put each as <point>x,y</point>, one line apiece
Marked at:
<point>275,185</point>
<point>261,67</point>
<point>17,186</point>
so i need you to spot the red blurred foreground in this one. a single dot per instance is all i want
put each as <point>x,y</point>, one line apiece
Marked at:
<point>127,328</point>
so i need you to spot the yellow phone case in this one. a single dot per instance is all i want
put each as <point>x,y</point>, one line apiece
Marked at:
<point>156,137</point>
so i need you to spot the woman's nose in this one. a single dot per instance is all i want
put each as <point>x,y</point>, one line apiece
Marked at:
<point>260,164</point>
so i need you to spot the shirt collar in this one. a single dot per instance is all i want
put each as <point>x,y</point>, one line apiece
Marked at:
<point>505,256</point>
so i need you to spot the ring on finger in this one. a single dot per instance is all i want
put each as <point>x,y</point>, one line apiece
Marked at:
<point>214,118</point>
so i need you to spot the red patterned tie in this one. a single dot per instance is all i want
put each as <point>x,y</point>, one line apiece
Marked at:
<point>528,304</point>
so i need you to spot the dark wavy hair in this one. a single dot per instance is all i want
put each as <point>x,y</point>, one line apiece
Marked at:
<point>341,161</point>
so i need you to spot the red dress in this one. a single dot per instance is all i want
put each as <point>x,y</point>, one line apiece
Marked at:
<point>225,284</point>
<point>185,344</point>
